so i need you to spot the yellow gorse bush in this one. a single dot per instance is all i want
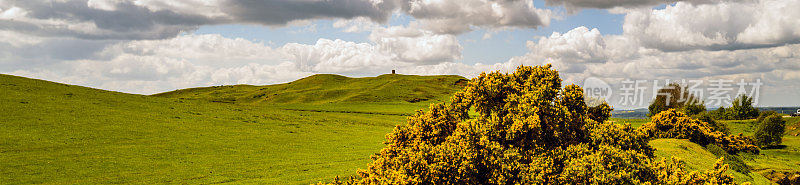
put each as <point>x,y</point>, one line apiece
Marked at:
<point>675,124</point>
<point>528,130</point>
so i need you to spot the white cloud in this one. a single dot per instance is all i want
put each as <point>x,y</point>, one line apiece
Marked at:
<point>453,17</point>
<point>577,45</point>
<point>336,56</point>
<point>582,53</point>
<point>721,26</point>
<point>201,49</point>
<point>151,19</point>
<point>416,46</point>
<point>359,24</point>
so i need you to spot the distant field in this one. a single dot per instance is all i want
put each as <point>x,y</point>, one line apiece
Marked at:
<point>634,122</point>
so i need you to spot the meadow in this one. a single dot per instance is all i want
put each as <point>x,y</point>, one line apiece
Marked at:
<point>65,134</point>
<point>301,132</point>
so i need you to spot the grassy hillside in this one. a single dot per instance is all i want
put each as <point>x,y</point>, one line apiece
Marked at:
<point>696,157</point>
<point>762,166</point>
<point>390,94</point>
<point>328,88</point>
<point>57,133</point>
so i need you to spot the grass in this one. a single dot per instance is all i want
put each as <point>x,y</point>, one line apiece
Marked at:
<point>781,159</point>
<point>634,122</point>
<point>327,88</point>
<point>57,133</point>
<point>696,157</point>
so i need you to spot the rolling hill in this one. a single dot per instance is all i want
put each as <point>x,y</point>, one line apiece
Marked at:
<point>328,88</point>
<point>66,134</point>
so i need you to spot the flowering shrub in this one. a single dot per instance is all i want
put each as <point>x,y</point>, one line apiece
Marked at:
<point>528,130</point>
<point>675,124</point>
<point>600,113</point>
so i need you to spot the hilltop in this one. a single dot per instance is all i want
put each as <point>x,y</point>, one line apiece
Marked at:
<point>329,88</point>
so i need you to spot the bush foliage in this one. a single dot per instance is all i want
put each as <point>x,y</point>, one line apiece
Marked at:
<point>600,113</point>
<point>674,124</point>
<point>715,125</point>
<point>763,115</point>
<point>528,130</point>
<point>734,162</point>
<point>769,131</point>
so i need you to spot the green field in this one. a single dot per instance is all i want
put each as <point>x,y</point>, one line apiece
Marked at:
<point>301,132</point>
<point>57,133</point>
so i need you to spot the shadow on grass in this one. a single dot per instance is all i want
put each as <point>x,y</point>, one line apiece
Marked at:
<point>774,147</point>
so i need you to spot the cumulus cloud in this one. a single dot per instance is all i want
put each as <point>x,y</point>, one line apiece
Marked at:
<point>416,46</point>
<point>577,45</point>
<point>150,19</point>
<point>721,26</point>
<point>581,50</point>
<point>336,56</point>
<point>455,17</point>
<point>152,66</point>
<point>206,49</point>
<point>75,18</point>
<point>575,5</point>
<point>582,53</point>
<point>279,12</point>
<point>359,24</point>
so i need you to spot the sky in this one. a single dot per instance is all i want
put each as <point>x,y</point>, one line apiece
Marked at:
<point>721,48</point>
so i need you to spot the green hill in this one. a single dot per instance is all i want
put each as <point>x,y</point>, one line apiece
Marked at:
<point>696,157</point>
<point>328,88</point>
<point>58,133</point>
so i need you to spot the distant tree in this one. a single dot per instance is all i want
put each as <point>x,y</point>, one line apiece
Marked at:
<point>693,107</point>
<point>742,108</point>
<point>719,114</point>
<point>675,96</point>
<point>769,131</point>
